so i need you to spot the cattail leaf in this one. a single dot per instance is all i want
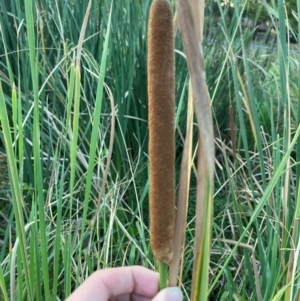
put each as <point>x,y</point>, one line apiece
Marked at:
<point>183,194</point>
<point>190,13</point>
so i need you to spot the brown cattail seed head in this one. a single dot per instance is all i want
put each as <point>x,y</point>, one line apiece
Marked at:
<point>161,97</point>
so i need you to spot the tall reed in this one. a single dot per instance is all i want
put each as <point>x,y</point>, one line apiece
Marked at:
<point>190,16</point>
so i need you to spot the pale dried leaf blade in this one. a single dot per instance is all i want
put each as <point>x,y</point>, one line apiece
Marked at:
<point>197,74</point>
<point>82,33</point>
<point>183,195</point>
<point>189,14</point>
<point>197,9</point>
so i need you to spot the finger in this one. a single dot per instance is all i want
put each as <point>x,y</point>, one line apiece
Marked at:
<point>130,297</point>
<point>169,294</point>
<point>106,284</point>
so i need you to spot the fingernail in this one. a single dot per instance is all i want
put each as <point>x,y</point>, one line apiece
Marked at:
<point>174,294</point>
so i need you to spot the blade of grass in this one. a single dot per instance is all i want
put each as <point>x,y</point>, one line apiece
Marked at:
<point>183,195</point>
<point>3,30</point>
<point>38,175</point>
<point>57,250</point>
<point>296,242</point>
<point>16,191</point>
<point>2,285</point>
<point>73,150</point>
<point>298,116</point>
<point>95,129</point>
<point>20,281</point>
<point>73,168</point>
<point>240,110</point>
<point>71,85</point>
<point>283,56</point>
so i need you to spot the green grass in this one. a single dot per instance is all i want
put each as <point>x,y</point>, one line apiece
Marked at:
<point>73,194</point>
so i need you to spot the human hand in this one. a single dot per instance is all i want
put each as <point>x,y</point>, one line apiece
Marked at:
<point>124,284</point>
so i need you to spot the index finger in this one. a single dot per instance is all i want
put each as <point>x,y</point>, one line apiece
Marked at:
<point>105,284</point>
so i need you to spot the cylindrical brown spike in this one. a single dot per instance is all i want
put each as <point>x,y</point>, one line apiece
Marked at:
<point>161,97</point>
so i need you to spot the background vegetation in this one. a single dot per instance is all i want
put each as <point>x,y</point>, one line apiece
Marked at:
<point>73,202</point>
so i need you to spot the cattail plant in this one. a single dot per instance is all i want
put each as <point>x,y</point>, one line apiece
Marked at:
<point>189,17</point>
<point>161,97</point>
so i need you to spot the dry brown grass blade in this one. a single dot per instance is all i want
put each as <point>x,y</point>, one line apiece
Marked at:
<point>195,61</point>
<point>197,9</point>
<point>190,18</point>
<point>183,195</point>
<point>82,33</point>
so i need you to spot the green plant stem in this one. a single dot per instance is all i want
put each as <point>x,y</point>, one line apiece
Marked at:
<point>163,275</point>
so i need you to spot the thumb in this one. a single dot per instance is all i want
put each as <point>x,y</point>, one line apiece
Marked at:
<point>169,294</point>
